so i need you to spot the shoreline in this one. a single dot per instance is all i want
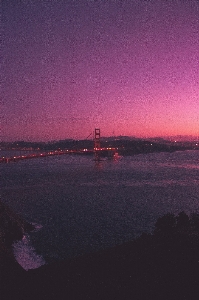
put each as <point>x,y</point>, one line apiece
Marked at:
<point>12,227</point>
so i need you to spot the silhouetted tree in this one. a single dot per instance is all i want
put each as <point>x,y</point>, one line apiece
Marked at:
<point>183,220</point>
<point>165,224</point>
<point>194,221</point>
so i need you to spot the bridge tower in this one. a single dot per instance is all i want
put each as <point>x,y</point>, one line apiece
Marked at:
<point>97,143</point>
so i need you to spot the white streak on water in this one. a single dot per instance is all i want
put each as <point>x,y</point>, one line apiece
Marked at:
<point>25,254</point>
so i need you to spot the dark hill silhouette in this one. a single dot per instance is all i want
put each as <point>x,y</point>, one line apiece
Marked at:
<point>163,265</point>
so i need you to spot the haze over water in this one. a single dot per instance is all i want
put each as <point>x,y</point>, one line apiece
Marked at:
<point>83,206</point>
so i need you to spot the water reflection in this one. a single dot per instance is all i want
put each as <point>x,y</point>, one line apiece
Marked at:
<point>98,164</point>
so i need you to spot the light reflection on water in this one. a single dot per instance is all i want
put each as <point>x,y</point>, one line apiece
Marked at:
<point>84,207</point>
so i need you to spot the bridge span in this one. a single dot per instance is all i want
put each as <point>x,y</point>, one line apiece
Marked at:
<point>102,152</point>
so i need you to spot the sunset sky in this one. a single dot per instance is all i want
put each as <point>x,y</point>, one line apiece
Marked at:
<point>128,67</point>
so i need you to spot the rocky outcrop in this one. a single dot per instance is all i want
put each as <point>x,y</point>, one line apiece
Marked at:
<point>12,226</point>
<point>12,276</point>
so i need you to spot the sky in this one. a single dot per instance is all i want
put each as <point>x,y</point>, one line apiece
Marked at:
<point>128,67</point>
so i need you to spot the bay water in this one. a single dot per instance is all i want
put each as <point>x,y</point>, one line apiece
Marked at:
<point>81,206</point>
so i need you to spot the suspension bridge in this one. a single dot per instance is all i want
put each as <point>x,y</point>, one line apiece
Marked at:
<point>98,152</point>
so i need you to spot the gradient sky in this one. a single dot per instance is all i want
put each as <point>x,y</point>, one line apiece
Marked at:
<point>129,67</point>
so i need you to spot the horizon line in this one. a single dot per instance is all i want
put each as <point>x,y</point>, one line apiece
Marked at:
<point>104,137</point>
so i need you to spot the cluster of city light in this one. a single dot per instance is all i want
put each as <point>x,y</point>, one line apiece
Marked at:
<point>102,149</point>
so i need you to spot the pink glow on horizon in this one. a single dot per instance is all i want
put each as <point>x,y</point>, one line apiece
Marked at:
<point>127,68</point>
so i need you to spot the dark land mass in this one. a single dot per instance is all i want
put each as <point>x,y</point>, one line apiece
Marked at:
<point>12,228</point>
<point>163,265</point>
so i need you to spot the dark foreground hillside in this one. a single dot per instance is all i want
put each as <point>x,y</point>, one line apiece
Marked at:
<point>163,266</point>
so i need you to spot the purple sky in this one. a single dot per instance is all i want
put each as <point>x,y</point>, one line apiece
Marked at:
<point>129,67</point>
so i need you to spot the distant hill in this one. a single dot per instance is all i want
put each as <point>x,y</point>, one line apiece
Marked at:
<point>182,138</point>
<point>125,144</point>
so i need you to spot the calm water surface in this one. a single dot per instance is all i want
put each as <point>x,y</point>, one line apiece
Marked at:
<point>82,206</point>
